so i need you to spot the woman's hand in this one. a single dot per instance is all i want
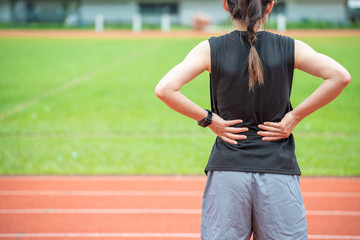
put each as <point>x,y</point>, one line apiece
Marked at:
<point>223,129</point>
<point>276,131</point>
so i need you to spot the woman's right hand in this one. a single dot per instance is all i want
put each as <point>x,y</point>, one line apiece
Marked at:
<point>225,131</point>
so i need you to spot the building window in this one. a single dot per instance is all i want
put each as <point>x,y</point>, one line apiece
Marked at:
<point>158,8</point>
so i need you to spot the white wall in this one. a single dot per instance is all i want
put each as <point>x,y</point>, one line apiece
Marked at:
<point>113,10</point>
<point>5,11</point>
<point>325,10</point>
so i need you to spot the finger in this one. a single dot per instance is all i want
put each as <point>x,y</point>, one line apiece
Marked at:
<point>236,130</point>
<point>233,122</point>
<point>235,136</point>
<point>271,138</point>
<point>272,124</point>
<point>228,140</point>
<point>269,134</point>
<point>268,128</point>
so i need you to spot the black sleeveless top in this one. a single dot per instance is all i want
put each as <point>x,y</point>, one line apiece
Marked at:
<point>231,99</point>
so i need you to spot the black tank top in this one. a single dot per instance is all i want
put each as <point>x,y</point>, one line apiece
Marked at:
<point>231,99</point>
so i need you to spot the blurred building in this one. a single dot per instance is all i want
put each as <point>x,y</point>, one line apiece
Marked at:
<point>181,11</point>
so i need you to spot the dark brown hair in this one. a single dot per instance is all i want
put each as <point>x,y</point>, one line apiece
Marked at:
<point>251,12</point>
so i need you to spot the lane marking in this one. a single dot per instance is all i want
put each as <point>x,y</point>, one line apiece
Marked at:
<point>100,193</point>
<point>150,193</point>
<point>115,178</point>
<point>99,235</point>
<point>139,235</point>
<point>332,213</point>
<point>73,82</point>
<point>150,177</point>
<point>101,211</point>
<point>332,237</point>
<point>147,211</point>
<point>331,194</point>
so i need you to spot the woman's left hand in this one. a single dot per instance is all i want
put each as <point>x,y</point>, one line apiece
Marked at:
<point>275,131</point>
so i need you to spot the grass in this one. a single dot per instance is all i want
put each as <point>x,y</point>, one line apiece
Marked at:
<point>87,107</point>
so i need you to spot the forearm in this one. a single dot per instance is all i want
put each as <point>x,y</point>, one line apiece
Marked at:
<point>335,76</point>
<point>181,104</point>
<point>327,92</point>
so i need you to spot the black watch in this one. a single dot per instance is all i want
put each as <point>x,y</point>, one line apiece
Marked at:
<point>206,121</point>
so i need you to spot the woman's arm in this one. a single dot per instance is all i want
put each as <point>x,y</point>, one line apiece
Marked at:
<point>168,90</point>
<point>335,76</point>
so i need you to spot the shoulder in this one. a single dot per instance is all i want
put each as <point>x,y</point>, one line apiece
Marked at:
<point>203,48</point>
<point>225,37</point>
<point>199,56</point>
<point>281,39</point>
<point>302,47</point>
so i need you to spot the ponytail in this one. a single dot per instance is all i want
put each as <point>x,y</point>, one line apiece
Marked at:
<point>251,12</point>
<point>255,68</point>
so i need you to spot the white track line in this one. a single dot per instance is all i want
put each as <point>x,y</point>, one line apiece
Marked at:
<point>99,235</point>
<point>101,211</point>
<point>101,193</point>
<point>139,235</point>
<point>332,213</point>
<point>145,177</point>
<point>148,211</point>
<point>331,194</point>
<point>148,178</point>
<point>151,193</point>
<point>332,237</point>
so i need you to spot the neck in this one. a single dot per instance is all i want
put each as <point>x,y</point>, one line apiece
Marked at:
<point>241,26</point>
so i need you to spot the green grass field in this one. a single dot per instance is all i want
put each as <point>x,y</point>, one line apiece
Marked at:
<point>87,106</point>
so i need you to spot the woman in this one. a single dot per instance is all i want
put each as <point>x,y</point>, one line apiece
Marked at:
<point>252,174</point>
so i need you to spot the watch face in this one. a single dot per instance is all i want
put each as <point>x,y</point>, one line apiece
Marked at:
<point>206,121</point>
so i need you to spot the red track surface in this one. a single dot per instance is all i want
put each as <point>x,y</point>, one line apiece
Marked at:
<point>149,207</point>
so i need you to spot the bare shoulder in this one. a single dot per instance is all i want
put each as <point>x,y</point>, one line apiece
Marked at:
<point>317,64</point>
<point>200,54</point>
<point>203,48</point>
<point>303,52</point>
<point>303,48</point>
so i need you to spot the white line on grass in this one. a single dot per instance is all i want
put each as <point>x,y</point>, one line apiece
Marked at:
<point>150,193</point>
<point>75,81</point>
<point>148,211</point>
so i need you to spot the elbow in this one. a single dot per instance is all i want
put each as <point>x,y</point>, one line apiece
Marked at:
<point>346,78</point>
<point>160,92</point>
<point>343,77</point>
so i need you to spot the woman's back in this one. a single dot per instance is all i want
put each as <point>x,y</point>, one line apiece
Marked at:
<point>231,97</point>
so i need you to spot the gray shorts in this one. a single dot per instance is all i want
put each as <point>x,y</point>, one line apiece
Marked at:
<point>239,204</point>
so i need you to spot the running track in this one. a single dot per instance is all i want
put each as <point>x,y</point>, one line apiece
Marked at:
<point>149,207</point>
